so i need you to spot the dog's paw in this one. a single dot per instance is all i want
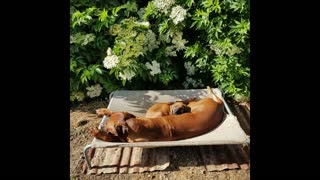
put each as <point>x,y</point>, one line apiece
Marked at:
<point>99,112</point>
<point>103,112</point>
<point>125,129</point>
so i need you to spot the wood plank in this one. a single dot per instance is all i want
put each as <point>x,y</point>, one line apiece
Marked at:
<point>125,160</point>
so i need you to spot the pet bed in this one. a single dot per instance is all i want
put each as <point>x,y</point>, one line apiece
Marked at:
<point>138,101</point>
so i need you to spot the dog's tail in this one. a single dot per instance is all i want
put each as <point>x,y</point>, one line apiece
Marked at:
<point>214,97</point>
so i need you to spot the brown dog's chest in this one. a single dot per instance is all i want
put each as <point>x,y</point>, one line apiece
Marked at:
<point>144,129</point>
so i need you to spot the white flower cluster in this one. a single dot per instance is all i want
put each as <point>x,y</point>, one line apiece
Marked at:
<point>190,68</point>
<point>170,51</point>
<point>178,41</point>
<point>94,91</point>
<point>127,74</point>
<point>144,24</point>
<point>110,60</point>
<point>178,14</point>
<point>163,5</point>
<point>189,81</point>
<point>87,39</point>
<point>151,42</point>
<point>155,67</point>
<point>178,44</point>
<point>79,96</point>
<point>165,37</point>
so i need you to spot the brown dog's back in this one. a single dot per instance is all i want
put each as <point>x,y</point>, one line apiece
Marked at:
<point>158,110</point>
<point>170,108</point>
<point>205,115</point>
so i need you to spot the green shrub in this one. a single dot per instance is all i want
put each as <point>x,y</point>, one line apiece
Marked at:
<point>168,43</point>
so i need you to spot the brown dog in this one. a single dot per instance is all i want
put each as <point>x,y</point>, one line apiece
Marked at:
<point>205,115</point>
<point>170,108</point>
<point>117,123</point>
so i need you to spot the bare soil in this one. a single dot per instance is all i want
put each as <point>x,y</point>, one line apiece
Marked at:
<point>185,162</point>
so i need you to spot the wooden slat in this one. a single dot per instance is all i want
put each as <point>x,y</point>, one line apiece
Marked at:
<point>222,157</point>
<point>129,160</point>
<point>162,158</point>
<point>125,160</point>
<point>111,161</point>
<point>238,157</point>
<point>96,160</point>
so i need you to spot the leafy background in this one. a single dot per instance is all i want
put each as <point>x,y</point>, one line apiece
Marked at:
<point>169,44</point>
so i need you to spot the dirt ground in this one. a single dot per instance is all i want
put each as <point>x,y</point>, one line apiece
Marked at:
<point>185,162</point>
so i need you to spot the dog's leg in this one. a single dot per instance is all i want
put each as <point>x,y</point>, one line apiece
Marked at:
<point>95,132</point>
<point>103,112</point>
<point>214,97</point>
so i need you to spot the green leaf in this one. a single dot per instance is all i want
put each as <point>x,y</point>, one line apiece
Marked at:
<point>116,10</point>
<point>73,65</point>
<point>78,71</point>
<point>150,9</point>
<point>74,24</point>
<point>191,51</point>
<point>207,3</point>
<point>103,15</point>
<point>123,82</point>
<point>189,3</point>
<point>112,71</point>
<point>117,74</point>
<point>76,15</point>
<point>83,79</point>
<point>216,7</point>
<point>163,26</point>
<point>98,70</point>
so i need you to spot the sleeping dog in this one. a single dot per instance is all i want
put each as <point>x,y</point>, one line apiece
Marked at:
<point>205,115</point>
<point>113,125</point>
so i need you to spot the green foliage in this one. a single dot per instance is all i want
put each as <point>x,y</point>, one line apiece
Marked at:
<point>128,44</point>
<point>224,32</point>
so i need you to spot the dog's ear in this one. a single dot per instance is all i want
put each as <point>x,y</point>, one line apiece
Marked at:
<point>103,112</point>
<point>121,125</point>
<point>133,125</point>
<point>95,132</point>
<point>128,115</point>
<point>117,125</point>
<point>186,109</point>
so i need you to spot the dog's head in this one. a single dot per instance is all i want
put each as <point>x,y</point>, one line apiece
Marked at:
<point>95,132</point>
<point>116,124</point>
<point>179,108</point>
